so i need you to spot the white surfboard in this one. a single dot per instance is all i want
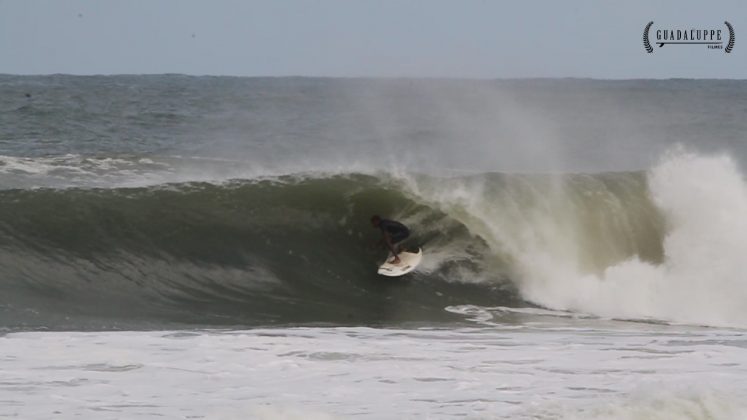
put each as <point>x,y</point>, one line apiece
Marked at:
<point>408,262</point>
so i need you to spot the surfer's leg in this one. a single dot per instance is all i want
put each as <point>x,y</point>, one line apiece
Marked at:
<point>397,240</point>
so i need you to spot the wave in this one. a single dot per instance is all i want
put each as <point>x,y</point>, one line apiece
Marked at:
<point>666,244</point>
<point>287,250</point>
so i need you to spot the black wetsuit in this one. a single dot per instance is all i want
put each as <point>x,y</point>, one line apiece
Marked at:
<point>396,230</point>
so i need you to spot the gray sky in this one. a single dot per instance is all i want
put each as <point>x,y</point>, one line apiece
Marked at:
<point>379,38</point>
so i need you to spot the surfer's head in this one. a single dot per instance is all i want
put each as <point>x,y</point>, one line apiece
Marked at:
<point>375,220</point>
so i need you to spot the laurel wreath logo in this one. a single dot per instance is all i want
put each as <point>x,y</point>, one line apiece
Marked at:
<point>649,49</point>
<point>730,45</point>
<point>646,43</point>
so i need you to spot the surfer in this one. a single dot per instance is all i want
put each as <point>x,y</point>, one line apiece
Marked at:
<point>393,232</point>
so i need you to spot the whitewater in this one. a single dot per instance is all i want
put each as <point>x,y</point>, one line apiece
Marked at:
<point>199,247</point>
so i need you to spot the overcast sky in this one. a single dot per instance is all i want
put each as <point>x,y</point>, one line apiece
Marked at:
<point>378,38</point>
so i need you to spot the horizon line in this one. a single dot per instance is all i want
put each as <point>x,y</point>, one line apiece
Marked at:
<point>360,77</point>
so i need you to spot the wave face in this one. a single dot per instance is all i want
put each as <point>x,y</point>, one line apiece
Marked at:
<point>663,245</point>
<point>295,249</point>
<point>288,250</point>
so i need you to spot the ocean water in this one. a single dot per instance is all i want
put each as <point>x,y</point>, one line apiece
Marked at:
<point>199,247</point>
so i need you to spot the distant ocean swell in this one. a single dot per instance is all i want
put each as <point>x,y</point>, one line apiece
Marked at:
<point>667,244</point>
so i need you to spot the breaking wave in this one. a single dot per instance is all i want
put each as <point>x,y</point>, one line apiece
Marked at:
<point>667,244</point>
